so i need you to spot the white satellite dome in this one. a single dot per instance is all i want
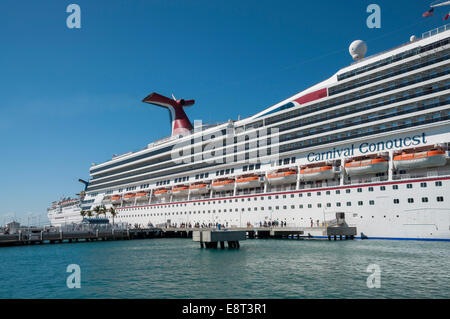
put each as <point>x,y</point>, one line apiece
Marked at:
<point>413,38</point>
<point>358,49</point>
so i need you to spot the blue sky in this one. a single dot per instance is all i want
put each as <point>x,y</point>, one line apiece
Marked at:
<point>72,97</point>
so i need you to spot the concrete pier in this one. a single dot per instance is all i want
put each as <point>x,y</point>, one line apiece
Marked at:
<point>210,238</point>
<point>30,238</point>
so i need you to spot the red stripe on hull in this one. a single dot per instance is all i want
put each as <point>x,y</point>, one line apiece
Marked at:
<point>319,94</point>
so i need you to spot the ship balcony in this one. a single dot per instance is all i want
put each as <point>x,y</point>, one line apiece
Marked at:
<point>423,174</point>
<point>319,184</point>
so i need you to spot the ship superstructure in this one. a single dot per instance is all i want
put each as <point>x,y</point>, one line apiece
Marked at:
<point>371,141</point>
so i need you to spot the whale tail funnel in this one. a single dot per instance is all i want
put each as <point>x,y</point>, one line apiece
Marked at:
<point>179,120</point>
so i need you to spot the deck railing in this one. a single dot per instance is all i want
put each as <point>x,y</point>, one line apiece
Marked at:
<point>436,31</point>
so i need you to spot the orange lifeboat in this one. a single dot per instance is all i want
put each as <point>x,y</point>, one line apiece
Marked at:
<point>180,190</point>
<point>162,192</point>
<point>367,166</point>
<point>223,184</point>
<point>116,198</point>
<point>199,188</point>
<point>424,159</point>
<point>129,196</point>
<point>248,181</point>
<point>141,195</point>
<point>317,173</point>
<point>282,176</point>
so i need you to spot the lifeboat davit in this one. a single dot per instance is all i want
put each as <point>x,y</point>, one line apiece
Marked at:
<point>223,184</point>
<point>162,192</point>
<point>424,159</point>
<point>129,196</point>
<point>367,166</point>
<point>317,173</point>
<point>107,199</point>
<point>180,190</point>
<point>199,188</point>
<point>283,176</point>
<point>116,198</point>
<point>248,181</point>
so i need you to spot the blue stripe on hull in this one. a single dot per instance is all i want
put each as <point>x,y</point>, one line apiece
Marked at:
<point>395,238</point>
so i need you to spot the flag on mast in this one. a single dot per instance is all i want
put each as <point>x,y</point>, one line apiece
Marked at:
<point>429,13</point>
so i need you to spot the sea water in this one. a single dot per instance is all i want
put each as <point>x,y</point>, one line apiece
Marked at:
<point>179,268</point>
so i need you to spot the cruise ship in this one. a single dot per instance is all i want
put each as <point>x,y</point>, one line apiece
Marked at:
<point>371,141</point>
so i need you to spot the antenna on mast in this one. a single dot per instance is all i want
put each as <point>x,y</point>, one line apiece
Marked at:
<point>440,3</point>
